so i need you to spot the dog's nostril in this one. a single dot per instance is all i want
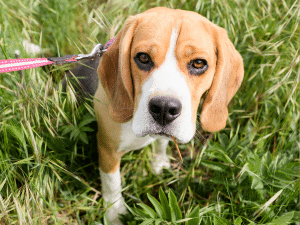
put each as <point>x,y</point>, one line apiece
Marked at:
<point>155,109</point>
<point>173,111</point>
<point>164,110</point>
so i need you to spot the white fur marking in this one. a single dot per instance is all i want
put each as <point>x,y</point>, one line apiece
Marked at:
<point>167,80</point>
<point>111,193</point>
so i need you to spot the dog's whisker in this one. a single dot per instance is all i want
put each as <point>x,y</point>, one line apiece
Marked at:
<point>127,116</point>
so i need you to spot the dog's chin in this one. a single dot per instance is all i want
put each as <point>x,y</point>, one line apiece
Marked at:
<point>160,133</point>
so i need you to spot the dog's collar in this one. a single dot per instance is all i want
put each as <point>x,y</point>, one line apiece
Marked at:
<point>109,43</point>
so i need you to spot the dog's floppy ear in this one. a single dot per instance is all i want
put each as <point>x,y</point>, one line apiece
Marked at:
<point>227,79</point>
<point>115,73</point>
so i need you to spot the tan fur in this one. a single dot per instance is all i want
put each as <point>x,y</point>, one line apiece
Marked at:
<point>115,74</point>
<point>108,135</point>
<point>228,78</point>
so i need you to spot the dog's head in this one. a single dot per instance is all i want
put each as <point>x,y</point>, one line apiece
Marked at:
<point>161,63</point>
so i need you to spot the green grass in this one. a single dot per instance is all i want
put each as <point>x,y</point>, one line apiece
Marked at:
<point>247,173</point>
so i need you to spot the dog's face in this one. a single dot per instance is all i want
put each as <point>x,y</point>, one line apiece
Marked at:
<point>160,65</point>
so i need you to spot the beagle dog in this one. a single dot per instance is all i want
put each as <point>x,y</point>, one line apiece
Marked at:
<point>151,80</point>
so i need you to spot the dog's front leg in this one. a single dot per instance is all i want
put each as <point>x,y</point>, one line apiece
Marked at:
<point>109,161</point>
<point>160,158</point>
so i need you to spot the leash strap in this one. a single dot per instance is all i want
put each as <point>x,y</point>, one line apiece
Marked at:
<point>10,65</point>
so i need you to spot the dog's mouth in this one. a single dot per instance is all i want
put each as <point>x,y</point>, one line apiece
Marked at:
<point>161,135</point>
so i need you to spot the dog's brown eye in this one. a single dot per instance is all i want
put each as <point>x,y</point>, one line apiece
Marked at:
<point>197,66</point>
<point>143,61</point>
<point>198,63</point>
<point>144,58</point>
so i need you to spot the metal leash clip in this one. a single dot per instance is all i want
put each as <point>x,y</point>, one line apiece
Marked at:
<point>97,51</point>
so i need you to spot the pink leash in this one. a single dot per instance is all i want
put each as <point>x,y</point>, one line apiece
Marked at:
<point>9,65</point>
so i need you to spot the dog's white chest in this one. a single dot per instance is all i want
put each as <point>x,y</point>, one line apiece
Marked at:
<point>129,141</point>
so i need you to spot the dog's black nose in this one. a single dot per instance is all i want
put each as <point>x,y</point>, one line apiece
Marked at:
<point>164,109</point>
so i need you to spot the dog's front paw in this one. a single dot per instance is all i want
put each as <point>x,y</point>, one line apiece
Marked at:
<point>160,162</point>
<point>112,213</point>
